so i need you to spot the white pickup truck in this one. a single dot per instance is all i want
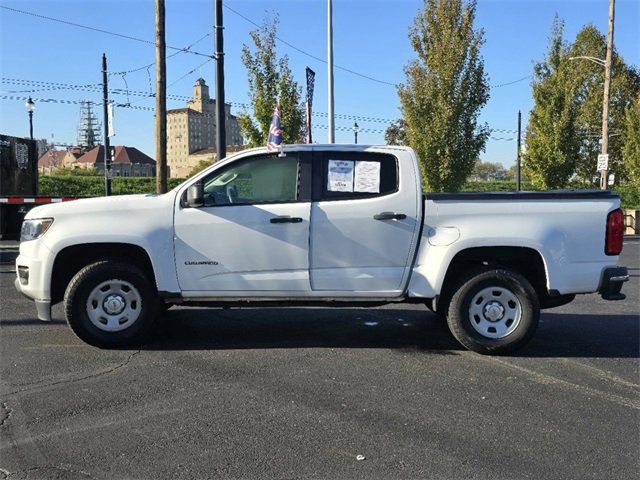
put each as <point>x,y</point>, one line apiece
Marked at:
<point>321,225</point>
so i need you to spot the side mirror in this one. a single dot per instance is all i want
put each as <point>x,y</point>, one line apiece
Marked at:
<point>195,195</point>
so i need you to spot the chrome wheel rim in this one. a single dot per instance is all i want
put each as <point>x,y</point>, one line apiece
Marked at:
<point>495,312</point>
<point>114,305</point>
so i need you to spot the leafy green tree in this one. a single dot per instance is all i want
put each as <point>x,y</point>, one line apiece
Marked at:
<point>396,133</point>
<point>552,145</point>
<point>512,173</point>
<point>589,79</point>
<point>488,171</point>
<point>270,81</point>
<point>445,89</point>
<point>631,149</point>
<point>198,167</point>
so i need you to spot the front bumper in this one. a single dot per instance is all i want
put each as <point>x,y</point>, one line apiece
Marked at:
<point>43,307</point>
<point>611,284</point>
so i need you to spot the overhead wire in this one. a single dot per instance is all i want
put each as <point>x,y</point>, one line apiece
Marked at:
<point>149,65</point>
<point>188,48</point>
<point>100,30</point>
<point>310,55</point>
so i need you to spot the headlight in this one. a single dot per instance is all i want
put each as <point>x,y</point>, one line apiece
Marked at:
<point>32,229</point>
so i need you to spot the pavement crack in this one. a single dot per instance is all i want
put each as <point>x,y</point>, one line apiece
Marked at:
<point>5,413</point>
<point>38,386</point>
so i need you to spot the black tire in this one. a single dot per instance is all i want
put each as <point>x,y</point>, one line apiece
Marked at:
<point>83,284</point>
<point>460,316</point>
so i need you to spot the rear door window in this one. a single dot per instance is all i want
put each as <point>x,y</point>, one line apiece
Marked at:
<point>344,176</point>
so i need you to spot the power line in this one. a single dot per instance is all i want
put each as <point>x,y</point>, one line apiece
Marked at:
<point>97,88</point>
<point>319,59</point>
<point>189,72</point>
<point>150,109</point>
<point>100,30</point>
<point>310,55</point>
<point>341,128</point>
<point>188,48</point>
<point>183,50</point>
<point>512,82</point>
<point>235,104</point>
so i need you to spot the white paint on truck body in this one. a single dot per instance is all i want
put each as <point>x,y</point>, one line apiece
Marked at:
<point>337,250</point>
<point>569,238</point>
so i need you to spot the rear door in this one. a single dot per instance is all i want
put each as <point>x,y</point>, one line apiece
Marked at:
<point>364,222</point>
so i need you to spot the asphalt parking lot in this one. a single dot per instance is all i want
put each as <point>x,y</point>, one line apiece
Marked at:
<point>300,393</point>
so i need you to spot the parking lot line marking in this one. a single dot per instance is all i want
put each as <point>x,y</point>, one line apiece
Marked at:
<point>607,375</point>
<point>548,379</point>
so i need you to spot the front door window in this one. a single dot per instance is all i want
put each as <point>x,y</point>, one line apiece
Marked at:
<point>258,180</point>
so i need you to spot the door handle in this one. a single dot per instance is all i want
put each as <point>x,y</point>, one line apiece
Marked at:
<point>390,216</point>
<point>285,219</point>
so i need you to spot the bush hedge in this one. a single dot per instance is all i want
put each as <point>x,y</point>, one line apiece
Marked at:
<point>88,186</point>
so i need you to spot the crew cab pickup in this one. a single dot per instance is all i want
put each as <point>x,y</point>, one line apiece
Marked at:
<point>321,225</point>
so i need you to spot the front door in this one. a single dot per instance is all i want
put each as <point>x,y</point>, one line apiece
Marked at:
<point>364,222</point>
<point>252,234</point>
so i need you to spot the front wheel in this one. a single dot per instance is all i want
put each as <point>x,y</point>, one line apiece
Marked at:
<point>110,303</point>
<point>494,311</point>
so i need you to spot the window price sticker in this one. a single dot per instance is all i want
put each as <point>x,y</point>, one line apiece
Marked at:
<point>340,176</point>
<point>367,178</point>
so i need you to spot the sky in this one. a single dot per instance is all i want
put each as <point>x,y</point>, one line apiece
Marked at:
<point>370,38</point>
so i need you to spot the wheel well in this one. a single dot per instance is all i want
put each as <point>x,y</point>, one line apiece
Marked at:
<point>526,261</point>
<point>72,259</point>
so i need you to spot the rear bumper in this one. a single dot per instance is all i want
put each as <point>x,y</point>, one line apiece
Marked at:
<point>611,284</point>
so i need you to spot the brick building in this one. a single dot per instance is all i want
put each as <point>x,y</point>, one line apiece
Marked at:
<point>193,128</point>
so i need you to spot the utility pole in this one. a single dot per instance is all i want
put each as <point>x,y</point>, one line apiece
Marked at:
<point>161,100</point>
<point>518,178</point>
<point>105,109</point>
<point>221,132</point>
<point>604,174</point>
<point>331,129</point>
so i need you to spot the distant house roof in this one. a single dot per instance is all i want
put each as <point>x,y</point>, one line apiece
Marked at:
<point>51,158</point>
<point>123,154</point>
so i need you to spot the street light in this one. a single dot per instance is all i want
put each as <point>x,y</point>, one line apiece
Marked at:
<point>356,129</point>
<point>604,142</point>
<point>606,63</point>
<point>30,108</point>
<point>597,60</point>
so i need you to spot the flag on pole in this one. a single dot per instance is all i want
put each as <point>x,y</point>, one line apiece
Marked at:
<point>275,131</point>
<point>110,113</point>
<point>311,76</point>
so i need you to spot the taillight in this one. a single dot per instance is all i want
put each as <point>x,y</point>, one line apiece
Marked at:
<point>615,232</point>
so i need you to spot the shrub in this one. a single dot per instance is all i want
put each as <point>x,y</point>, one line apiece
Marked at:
<point>89,186</point>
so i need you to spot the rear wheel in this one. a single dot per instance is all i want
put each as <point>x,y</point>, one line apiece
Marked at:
<point>110,303</point>
<point>494,311</point>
